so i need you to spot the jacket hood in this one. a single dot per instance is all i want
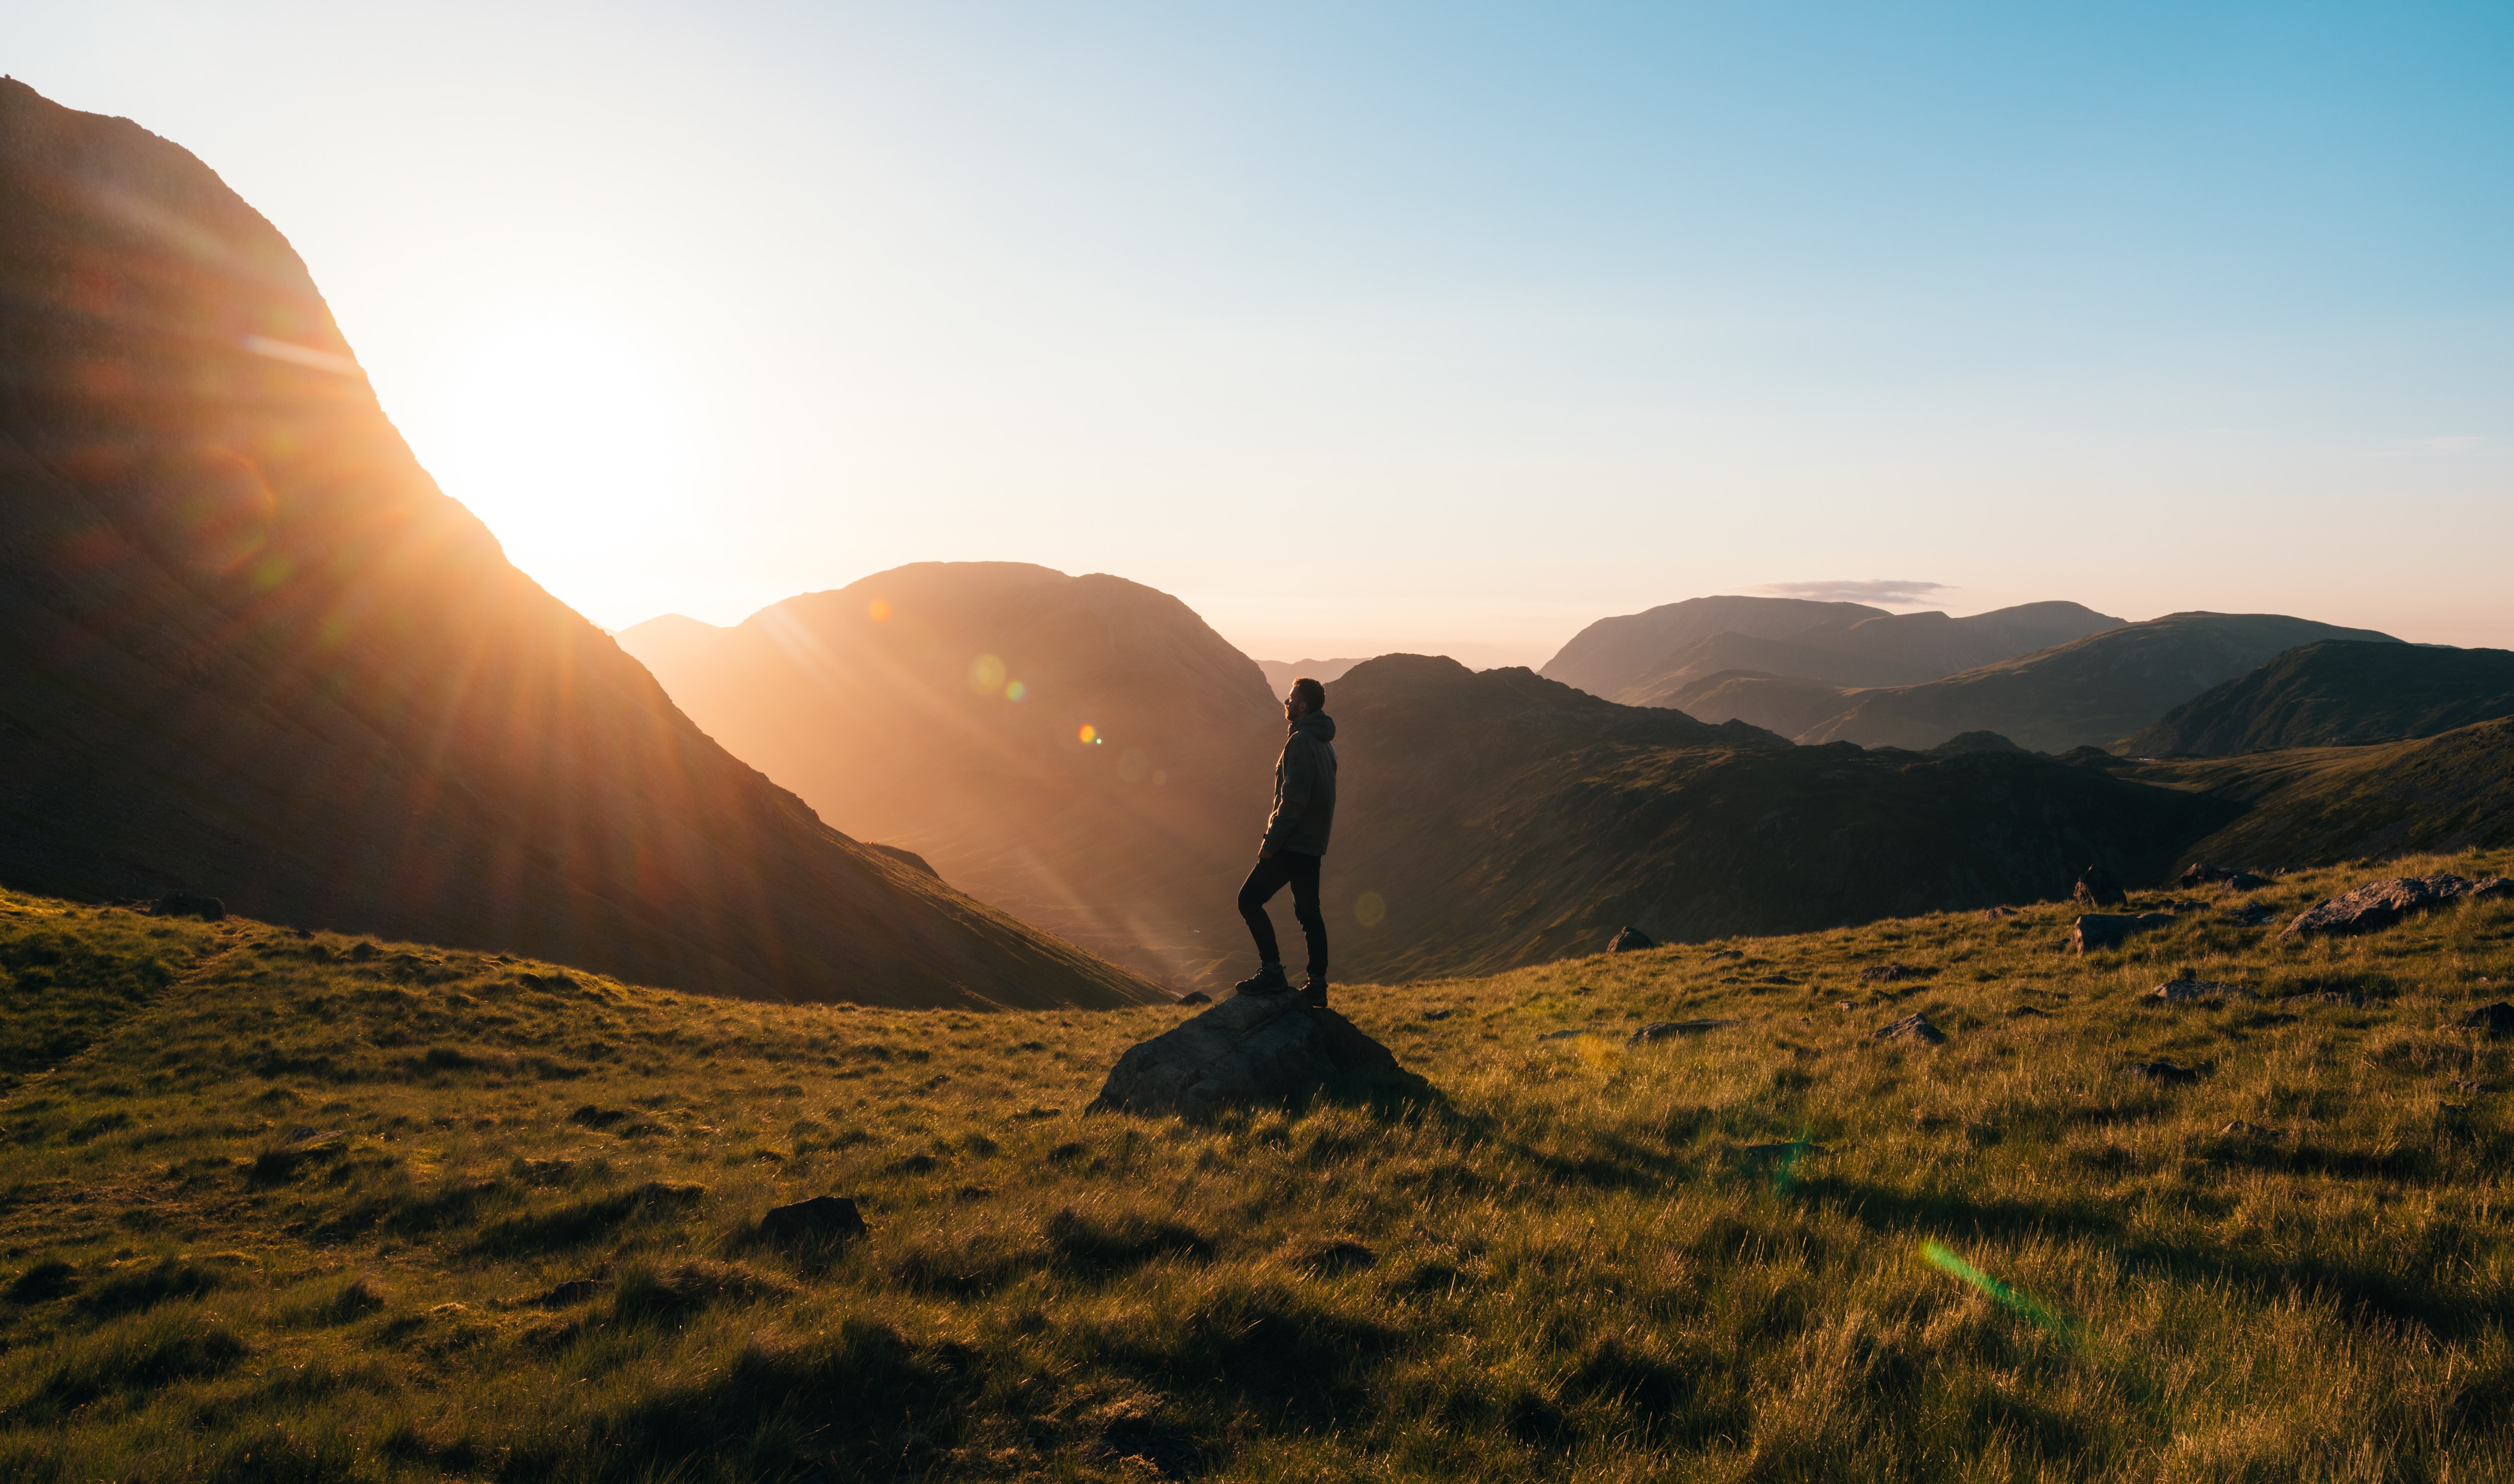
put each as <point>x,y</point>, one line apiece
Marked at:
<point>1317,723</point>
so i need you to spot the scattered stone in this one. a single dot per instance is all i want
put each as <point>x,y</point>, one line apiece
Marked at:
<point>1247,1051</point>
<point>2253,915</point>
<point>1993,915</point>
<point>2238,1128</point>
<point>1719,956</point>
<point>2183,991</point>
<point>1913,1027</point>
<point>1889,974</point>
<point>2096,888</point>
<point>186,905</point>
<point>2246,881</point>
<point>2496,1019</point>
<point>1436,1015</point>
<point>819,1222</point>
<point>1631,939</point>
<point>1566,1035</point>
<point>306,1135</point>
<point>1669,1031</point>
<point>2099,929</point>
<point>2378,904</point>
<point>2160,1071</point>
<point>1196,997</point>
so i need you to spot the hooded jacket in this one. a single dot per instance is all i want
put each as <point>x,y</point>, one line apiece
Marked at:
<point>1304,779</point>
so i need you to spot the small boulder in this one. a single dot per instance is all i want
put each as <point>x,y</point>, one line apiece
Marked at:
<point>2378,904</point>
<point>1913,1027</point>
<point>819,1222</point>
<point>2101,929</point>
<point>2183,991</point>
<point>1249,1051</point>
<point>186,905</point>
<point>2245,881</point>
<point>2238,1128</point>
<point>1196,997</point>
<point>2096,888</point>
<point>2253,915</point>
<point>2495,1020</point>
<point>1723,956</point>
<point>2160,1071</point>
<point>1669,1031</point>
<point>1631,939</point>
<point>1888,974</point>
<point>1994,915</point>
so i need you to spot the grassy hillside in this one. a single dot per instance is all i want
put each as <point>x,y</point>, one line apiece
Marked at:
<point>2320,806</point>
<point>2335,695</point>
<point>281,1207</point>
<point>2089,692</point>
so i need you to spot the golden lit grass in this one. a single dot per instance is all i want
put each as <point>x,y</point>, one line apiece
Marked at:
<point>301,1213</point>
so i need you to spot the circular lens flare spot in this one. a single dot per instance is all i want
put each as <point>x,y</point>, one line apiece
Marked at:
<point>986,675</point>
<point>1370,909</point>
<point>1087,734</point>
<point>1016,693</point>
<point>877,611</point>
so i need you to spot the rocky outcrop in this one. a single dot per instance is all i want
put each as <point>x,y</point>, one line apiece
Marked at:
<point>1250,1051</point>
<point>2202,873</point>
<point>1669,1031</point>
<point>821,1221</point>
<point>1631,939</point>
<point>2101,930</point>
<point>1913,1027</point>
<point>2096,888</point>
<point>2378,904</point>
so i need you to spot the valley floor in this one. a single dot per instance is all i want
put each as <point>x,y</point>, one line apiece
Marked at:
<point>275,1207</point>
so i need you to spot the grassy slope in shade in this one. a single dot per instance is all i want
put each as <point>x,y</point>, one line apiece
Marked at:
<point>1883,650</point>
<point>2089,692</point>
<point>901,728</point>
<point>248,648</point>
<point>2319,805</point>
<point>1574,1264</point>
<point>2335,695</point>
<point>1504,818</point>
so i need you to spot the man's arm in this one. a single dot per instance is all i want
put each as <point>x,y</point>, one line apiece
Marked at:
<point>1300,780</point>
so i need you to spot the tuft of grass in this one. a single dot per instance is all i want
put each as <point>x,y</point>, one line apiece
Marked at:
<point>292,1208</point>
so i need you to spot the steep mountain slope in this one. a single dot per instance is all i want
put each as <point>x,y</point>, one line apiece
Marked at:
<point>942,708</point>
<point>246,647</point>
<point>1644,659</point>
<point>1500,819</point>
<point>1781,703</point>
<point>1611,654</point>
<point>2335,693</point>
<point>2323,806</point>
<point>2087,693</point>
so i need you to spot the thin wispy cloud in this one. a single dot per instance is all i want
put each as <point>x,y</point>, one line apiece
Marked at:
<point>1891,591</point>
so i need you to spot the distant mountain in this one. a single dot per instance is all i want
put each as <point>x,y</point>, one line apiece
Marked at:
<point>1494,819</point>
<point>1082,751</point>
<point>1779,704</point>
<point>248,649</point>
<point>1279,674</point>
<point>2335,693</point>
<point>2089,692</point>
<point>2320,805</point>
<point>1645,659</point>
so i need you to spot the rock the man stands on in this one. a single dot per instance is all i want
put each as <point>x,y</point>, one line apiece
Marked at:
<point>1296,836</point>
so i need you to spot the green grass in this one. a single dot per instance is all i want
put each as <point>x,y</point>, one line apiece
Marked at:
<point>274,1208</point>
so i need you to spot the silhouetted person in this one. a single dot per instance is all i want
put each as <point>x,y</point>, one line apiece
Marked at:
<point>1296,836</point>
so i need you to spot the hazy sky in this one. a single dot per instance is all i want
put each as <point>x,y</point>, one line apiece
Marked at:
<point>1385,327</point>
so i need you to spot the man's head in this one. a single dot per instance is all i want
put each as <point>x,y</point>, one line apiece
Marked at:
<point>1306,696</point>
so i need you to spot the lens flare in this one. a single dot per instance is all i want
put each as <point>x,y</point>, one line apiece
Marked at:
<point>1370,909</point>
<point>1017,693</point>
<point>986,675</point>
<point>1087,734</point>
<point>2025,1305</point>
<point>877,611</point>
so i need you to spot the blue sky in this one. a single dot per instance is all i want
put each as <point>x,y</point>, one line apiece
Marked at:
<point>1365,328</point>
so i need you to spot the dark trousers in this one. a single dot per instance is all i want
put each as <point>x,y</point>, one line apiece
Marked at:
<point>1286,867</point>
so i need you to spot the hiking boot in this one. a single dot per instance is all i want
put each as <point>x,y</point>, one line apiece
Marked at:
<point>1268,979</point>
<point>1315,994</point>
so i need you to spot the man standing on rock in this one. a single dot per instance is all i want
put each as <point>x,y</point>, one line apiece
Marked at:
<point>1296,836</point>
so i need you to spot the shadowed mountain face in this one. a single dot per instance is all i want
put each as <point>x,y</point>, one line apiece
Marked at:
<point>2089,692</point>
<point>2335,695</point>
<point>2320,805</point>
<point>1843,644</point>
<point>942,708</point>
<point>247,648</point>
<point>1498,819</point>
<point>1280,673</point>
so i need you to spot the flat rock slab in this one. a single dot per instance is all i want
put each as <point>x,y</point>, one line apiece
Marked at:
<point>2103,930</point>
<point>1913,1027</point>
<point>2378,904</point>
<point>1669,1031</point>
<point>1250,1051</point>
